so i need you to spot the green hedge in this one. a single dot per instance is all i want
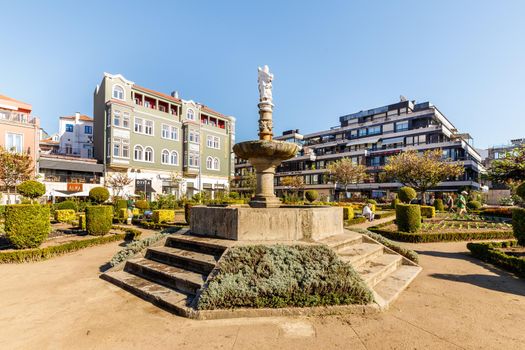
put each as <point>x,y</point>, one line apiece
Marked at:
<point>385,214</point>
<point>440,237</point>
<point>27,225</point>
<point>163,215</point>
<point>66,205</point>
<point>28,255</point>
<point>438,204</point>
<point>428,211</point>
<point>408,217</point>
<point>407,253</point>
<point>82,221</point>
<point>356,221</point>
<point>348,213</point>
<point>488,252</point>
<point>65,215</point>
<point>277,276</point>
<point>406,194</point>
<point>99,219</point>
<point>518,225</point>
<point>475,205</point>
<point>394,203</point>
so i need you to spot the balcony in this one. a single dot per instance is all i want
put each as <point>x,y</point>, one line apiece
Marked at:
<point>18,117</point>
<point>81,179</point>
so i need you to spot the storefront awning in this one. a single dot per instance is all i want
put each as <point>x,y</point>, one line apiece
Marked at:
<point>70,165</point>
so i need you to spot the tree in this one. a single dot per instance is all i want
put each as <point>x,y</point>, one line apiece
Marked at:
<point>346,172</point>
<point>248,181</point>
<point>293,183</point>
<point>422,171</point>
<point>176,180</point>
<point>510,168</point>
<point>118,182</point>
<point>32,189</point>
<point>14,168</point>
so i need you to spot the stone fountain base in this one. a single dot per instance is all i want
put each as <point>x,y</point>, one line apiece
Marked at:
<point>266,224</point>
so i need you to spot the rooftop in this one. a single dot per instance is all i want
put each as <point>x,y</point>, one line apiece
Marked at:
<point>10,103</point>
<point>81,117</point>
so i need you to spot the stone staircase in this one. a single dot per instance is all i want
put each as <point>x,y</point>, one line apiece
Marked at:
<point>386,272</point>
<point>169,276</point>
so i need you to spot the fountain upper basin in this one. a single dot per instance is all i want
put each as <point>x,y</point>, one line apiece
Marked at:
<point>266,149</point>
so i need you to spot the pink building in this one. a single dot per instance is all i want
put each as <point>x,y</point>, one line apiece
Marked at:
<point>19,130</point>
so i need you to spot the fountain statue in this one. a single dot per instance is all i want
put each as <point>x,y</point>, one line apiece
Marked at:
<point>265,154</point>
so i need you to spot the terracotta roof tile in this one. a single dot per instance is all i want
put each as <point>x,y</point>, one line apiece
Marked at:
<point>18,104</point>
<point>82,117</point>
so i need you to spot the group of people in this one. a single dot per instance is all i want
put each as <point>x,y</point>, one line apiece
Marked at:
<point>452,201</point>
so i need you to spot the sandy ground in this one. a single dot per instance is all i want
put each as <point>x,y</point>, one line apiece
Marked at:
<point>456,303</point>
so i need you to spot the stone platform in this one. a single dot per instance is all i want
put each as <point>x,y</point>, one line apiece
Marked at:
<point>266,224</point>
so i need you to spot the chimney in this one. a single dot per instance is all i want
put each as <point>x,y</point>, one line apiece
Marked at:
<point>77,117</point>
<point>175,94</point>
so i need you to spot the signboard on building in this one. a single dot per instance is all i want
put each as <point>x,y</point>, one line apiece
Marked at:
<point>74,187</point>
<point>143,185</point>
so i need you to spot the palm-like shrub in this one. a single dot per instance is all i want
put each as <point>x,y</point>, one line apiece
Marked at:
<point>406,194</point>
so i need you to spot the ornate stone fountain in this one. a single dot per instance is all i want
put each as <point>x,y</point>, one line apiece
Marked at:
<point>265,154</point>
<point>266,220</point>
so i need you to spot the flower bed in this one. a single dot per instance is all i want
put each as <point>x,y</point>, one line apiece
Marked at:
<point>494,253</point>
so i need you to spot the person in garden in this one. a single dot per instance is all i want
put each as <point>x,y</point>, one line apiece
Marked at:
<point>461,203</point>
<point>368,213</point>
<point>449,202</point>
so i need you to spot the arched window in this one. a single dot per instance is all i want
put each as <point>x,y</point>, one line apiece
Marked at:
<point>148,154</point>
<point>165,157</point>
<point>216,163</point>
<point>137,154</point>
<point>118,92</point>
<point>209,163</point>
<point>190,115</point>
<point>174,158</point>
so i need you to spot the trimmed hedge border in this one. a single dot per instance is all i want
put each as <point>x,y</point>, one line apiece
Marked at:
<point>38,254</point>
<point>385,214</point>
<point>355,221</point>
<point>487,253</point>
<point>419,237</point>
<point>407,253</point>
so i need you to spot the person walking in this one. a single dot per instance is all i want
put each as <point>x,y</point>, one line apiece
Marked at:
<point>461,203</point>
<point>449,202</point>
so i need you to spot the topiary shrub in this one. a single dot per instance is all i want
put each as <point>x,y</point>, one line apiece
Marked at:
<point>163,215</point>
<point>428,211</point>
<point>99,194</point>
<point>438,204</point>
<point>311,195</point>
<point>121,204</point>
<point>394,202</point>
<point>142,204</point>
<point>348,213</point>
<point>518,225</point>
<point>82,221</point>
<point>520,190</point>
<point>406,194</point>
<point>65,215</point>
<point>474,205</point>
<point>99,219</point>
<point>26,225</point>
<point>31,189</point>
<point>277,276</point>
<point>66,205</point>
<point>408,217</point>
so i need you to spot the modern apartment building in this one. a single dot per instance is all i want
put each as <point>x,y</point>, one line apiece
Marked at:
<point>370,138</point>
<point>162,142</point>
<point>75,133</point>
<point>499,151</point>
<point>19,130</point>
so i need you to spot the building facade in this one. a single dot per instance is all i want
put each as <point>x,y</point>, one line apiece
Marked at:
<point>75,135</point>
<point>370,138</point>
<point>163,143</point>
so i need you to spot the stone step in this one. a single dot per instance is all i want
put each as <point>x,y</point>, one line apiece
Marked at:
<point>358,254</point>
<point>388,289</point>
<point>374,270</point>
<point>198,244</point>
<point>167,275</point>
<point>339,242</point>
<point>166,298</point>
<point>186,259</point>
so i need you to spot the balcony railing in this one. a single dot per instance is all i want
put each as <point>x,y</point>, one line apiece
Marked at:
<point>18,117</point>
<point>81,179</point>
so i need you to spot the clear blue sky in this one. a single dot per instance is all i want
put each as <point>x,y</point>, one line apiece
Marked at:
<point>329,57</point>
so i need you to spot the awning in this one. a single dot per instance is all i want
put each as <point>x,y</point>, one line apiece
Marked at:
<point>392,140</point>
<point>363,141</point>
<point>71,165</point>
<point>55,193</point>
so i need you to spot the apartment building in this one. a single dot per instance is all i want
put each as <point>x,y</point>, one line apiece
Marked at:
<point>75,134</point>
<point>164,143</point>
<point>19,130</point>
<point>370,137</point>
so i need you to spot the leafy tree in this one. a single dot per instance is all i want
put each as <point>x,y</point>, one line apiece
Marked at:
<point>346,172</point>
<point>248,181</point>
<point>293,184</point>
<point>32,189</point>
<point>176,180</point>
<point>118,182</point>
<point>14,168</point>
<point>422,171</point>
<point>510,168</point>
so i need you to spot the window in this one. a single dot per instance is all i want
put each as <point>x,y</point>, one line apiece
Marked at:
<point>194,136</point>
<point>209,141</point>
<point>69,148</point>
<point>88,129</point>
<point>174,135</point>
<point>148,128</point>
<point>216,142</point>
<point>402,126</point>
<point>216,163</point>
<point>148,154</point>
<point>165,157</point>
<point>118,92</point>
<point>116,118</point>
<point>193,159</point>
<point>125,148</point>
<point>165,131</point>
<point>116,148</point>
<point>15,142</point>
<point>69,127</point>
<point>174,159</point>
<point>190,114</point>
<point>209,163</point>
<point>125,121</point>
<point>138,125</point>
<point>361,132</point>
<point>120,147</point>
<point>374,130</point>
<point>138,152</point>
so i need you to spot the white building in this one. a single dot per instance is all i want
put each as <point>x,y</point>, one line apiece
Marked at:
<point>76,135</point>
